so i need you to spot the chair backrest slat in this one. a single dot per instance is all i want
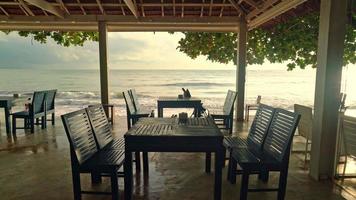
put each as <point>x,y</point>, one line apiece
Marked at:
<point>229,102</point>
<point>280,134</point>
<point>306,120</point>
<point>129,104</point>
<point>135,99</point>
<point>100,125</point>
<point>38,101</point>
<point>50,99</point>
<point>80,135</point>
<point>349,134</point>
<point>260,125</point>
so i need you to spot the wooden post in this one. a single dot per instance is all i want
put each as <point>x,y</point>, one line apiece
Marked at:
<point>332,28</point>
<point>241,69</point>
<point>103,57</point>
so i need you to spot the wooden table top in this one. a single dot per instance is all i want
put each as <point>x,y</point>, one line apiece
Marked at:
<point>177,99</point>
<point>195,127</point>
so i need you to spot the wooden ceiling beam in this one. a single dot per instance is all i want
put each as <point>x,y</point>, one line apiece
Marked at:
<point>236,6</point>
<point>100,7</point>
<point>132,6</point>
<point>211,7</point>
<point>4,11</point>
<point>81,7</point>
<point>162,8</point>
<point>63,6</point>
<point>25,8</point>
<point>252,3</point>
<point>202,9</point>
<point>262,8</point>
<point>275,11</point>
<point>222,9</point>
<point>122,8</point>
<point>44,5</point>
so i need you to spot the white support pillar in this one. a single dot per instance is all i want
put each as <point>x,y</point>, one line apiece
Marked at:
<point>332,27</point>
<point>241,69</point>
<point>103,57</point>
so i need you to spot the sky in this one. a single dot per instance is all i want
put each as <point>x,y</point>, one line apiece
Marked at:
<point>138,50</point>
<point>125,50</point>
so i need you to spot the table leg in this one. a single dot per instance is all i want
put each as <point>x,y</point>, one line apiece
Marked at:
<point>160,112</point>
<point>218,173</point>
<point>128,175</point>
<point>7,120</point>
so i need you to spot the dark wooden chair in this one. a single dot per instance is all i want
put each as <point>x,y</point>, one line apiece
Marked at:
<point>36,109</point>
<point>254,106</point>
<point>132,114</point>
<point>136,103</point>
<point>104,136</point>
<point>50,105</point>
<point>110,114</point>
<point>274,155</point>
<point>86,156</point>
<point>225,117</point>
<point>256,135</point>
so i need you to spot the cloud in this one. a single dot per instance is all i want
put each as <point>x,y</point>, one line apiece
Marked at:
<point>125,51</point>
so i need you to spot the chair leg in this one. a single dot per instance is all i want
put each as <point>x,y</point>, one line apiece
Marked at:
<point>145,162</point>
<point>95,178</point>
<point>207,162</point>
<point>14,125</point>
<point>229,170</point>
<point>306,153</point>
<point>224,164</point>
<point>53,119</point>
<point>282,184</point>
<point>231,124</point>
<point>32,124</point>
<point>76,185</point>
<point>244,186</point>
<point>43,122</point>
<point>233,169</point>
<point>263,175</point>
<point>344,170</point>
<point>114,185</point>
<point>138,161</point>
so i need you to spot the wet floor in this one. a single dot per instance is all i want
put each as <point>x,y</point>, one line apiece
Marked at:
<point>37,166</point>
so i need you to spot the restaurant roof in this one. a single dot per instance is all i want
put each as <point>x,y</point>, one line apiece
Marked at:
<point>148,15</point>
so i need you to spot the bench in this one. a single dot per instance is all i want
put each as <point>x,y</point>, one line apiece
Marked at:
<point>256,135</point>
<point>274,155</point>
<point>86,156</point>
<point>104,137</point>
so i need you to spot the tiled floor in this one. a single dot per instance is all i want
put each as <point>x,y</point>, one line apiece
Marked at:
<point>37,166</point>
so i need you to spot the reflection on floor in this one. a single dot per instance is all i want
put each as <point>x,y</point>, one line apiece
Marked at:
<point>37,166</point>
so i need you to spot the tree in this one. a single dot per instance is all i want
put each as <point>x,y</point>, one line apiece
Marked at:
<point>294,41</point>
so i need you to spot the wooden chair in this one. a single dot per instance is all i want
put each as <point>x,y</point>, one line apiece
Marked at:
<point>35,110</point>
<point>274,155</point>
<point>254,106</point>
<point>132,114</point>
<point>110,114</point>
<point>225,117</point>
<point>104,136</point>
<point>50,105</point>
<point>86,156</point>
<point>305,126</point>
<point>256,135</point>
<point>346,141</point>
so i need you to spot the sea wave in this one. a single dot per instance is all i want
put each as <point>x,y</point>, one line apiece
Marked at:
<point>194,84</point>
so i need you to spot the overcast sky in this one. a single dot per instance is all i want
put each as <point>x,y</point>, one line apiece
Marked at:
<point>126,51</point>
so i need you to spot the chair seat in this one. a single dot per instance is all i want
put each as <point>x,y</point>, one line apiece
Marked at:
<point>105,160</point>
<point>246,159</point>
<point>116,144</point>
<point>234,142</point>
<point>21,114</point>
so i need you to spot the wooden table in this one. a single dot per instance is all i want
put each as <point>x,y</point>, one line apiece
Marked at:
<point>173,102</point>
<point>167,135</point>
<point>6,103</point>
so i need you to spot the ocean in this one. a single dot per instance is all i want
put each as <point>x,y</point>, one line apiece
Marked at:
<point>78,88</point>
